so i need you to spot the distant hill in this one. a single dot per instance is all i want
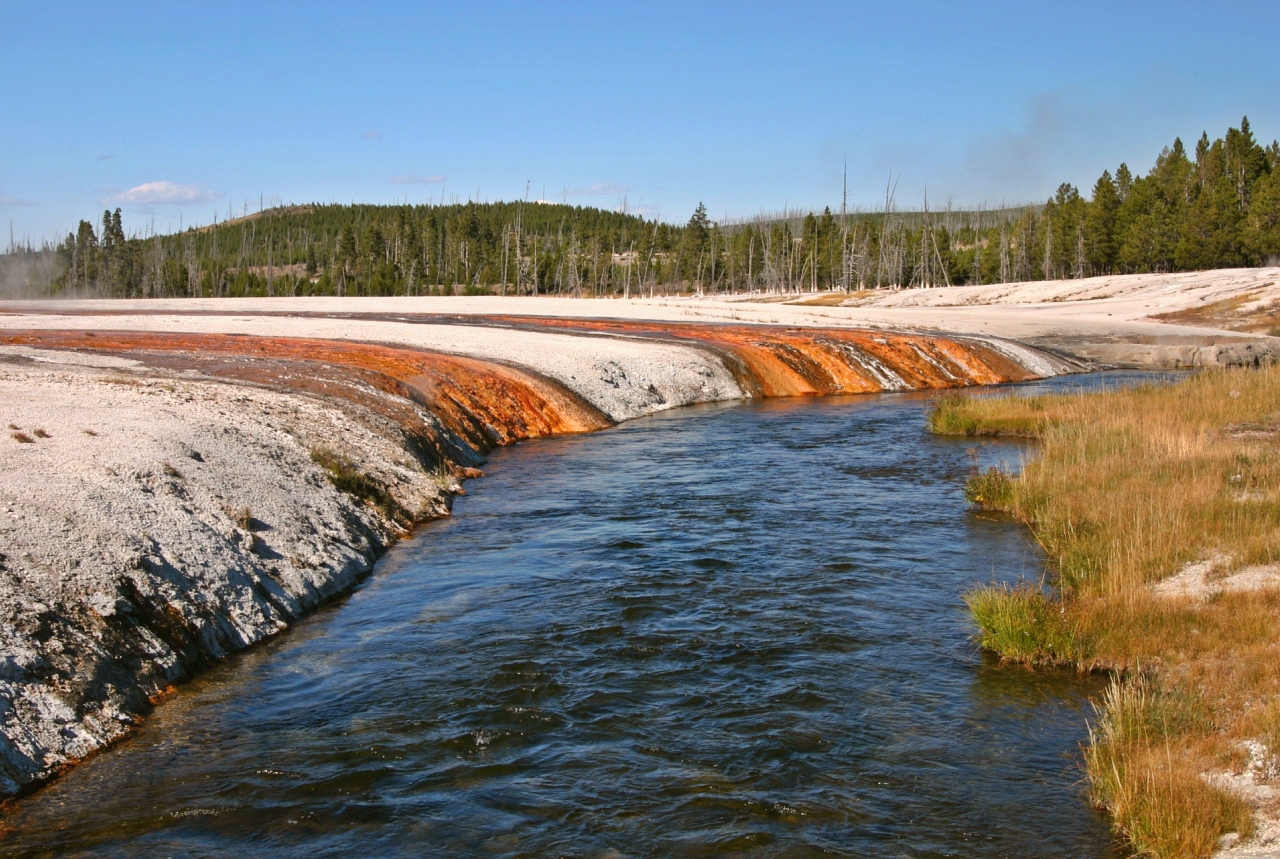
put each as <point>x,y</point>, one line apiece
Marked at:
<point>1217,208</point>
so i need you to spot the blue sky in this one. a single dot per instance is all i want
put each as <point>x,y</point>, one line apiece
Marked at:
<point>175,111</point>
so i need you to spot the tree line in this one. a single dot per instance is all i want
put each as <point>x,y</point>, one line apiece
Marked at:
<point>1216,207</point>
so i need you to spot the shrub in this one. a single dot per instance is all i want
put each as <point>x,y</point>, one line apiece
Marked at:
<point>22,438</point>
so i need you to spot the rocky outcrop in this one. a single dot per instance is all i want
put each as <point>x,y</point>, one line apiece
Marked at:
<point>1174,353</point>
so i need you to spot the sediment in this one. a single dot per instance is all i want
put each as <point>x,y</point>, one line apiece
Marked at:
<point>169,497</point>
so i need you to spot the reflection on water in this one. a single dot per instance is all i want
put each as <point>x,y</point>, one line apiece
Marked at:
<point>726,630</point>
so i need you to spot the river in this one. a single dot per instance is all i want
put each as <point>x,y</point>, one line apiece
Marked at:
<point>731,629</point>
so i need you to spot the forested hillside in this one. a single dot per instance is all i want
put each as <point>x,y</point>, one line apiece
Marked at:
<point>1218,206</point>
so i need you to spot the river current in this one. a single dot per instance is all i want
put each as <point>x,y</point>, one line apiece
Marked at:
<point>724,630</point>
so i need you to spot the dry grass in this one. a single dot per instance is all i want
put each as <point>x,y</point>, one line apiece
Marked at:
<point>1241,313</point>
<point>22,438</point>
<point>1127,487</point>
<point>1145,772</point>
<point>243,517</point>
<point>347,477</point>
<point>832,299</point>
<point>1179,478</point>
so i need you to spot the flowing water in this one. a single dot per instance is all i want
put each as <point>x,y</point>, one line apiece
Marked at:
<point>723,630</point>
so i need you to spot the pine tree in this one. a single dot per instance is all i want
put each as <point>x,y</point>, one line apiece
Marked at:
<point>1100,225</point>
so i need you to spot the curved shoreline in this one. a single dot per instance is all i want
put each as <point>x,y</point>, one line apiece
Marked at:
<point>183,496</point>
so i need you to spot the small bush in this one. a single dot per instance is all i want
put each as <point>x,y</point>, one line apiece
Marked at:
<point>40,433</point>
<point>168,469</point>
<point>22,438</point>
<point>1020,624</point>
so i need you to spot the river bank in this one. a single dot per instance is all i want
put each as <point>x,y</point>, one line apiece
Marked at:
<point>618,645</point>
<point>1158,509</point>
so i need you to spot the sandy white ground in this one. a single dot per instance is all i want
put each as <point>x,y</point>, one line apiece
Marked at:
<point>189,504</point>
<point>1105,319</point>
<point>1098,306</point>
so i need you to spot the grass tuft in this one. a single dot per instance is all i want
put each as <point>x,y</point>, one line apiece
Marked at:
<point>1021,624</point>
<point>244,518</point>
<point>40,433</point>
<point>344,475</point>
<point>991,489</point>
<point>22,438</point>
<point>954,413</point>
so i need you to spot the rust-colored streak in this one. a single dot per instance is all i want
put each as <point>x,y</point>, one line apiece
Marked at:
<point>787,362</point>
<point>483,403</point>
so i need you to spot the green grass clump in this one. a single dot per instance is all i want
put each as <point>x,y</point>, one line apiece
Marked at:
<point>991,489</point>
<point>344,475</point>
<point>954,413</point>
<point>1021,624</point>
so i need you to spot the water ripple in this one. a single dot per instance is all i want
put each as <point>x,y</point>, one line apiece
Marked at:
<point>724,631</point>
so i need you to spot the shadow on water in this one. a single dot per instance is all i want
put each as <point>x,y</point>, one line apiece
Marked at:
<point>728,630</point>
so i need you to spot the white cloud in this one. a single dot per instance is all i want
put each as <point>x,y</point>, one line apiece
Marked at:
<point>7,202</point>
<point>416,180</point>
<point>371,134</point>
<point>164,194</point>
<point>600,189</point>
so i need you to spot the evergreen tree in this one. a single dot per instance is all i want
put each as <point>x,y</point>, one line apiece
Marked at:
<point>1100,225</point>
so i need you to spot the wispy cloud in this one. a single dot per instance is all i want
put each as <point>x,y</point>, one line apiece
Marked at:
<point>7,202</point>
<point>416,180</point>
<point>600,189</point>
<point>164,194</point>
<point>110,156</point>
<point>372,134</point>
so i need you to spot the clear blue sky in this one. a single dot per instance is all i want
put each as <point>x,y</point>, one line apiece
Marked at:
<point>177,110</point>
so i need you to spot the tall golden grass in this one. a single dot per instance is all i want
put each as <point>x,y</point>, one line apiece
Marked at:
<point>1127,487</point>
